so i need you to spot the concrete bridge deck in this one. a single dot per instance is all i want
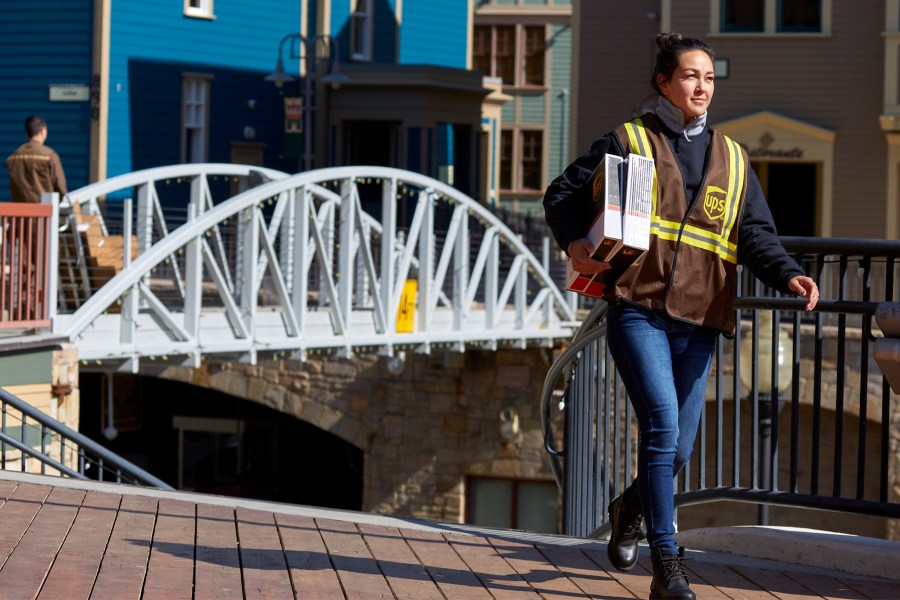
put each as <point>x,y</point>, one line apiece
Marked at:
<point>67,539</point>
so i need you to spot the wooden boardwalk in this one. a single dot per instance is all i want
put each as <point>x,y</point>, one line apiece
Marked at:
<point>61,539</point>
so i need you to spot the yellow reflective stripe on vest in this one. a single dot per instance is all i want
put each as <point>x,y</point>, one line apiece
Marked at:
<point>689,234</point>
<point>736,175</point>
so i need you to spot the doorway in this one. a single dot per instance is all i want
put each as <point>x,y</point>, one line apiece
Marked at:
<point>371,143</point>
<point>206,441</point>
<point>792,191</point>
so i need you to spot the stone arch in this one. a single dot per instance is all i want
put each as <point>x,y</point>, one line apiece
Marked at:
<point>283,388</point>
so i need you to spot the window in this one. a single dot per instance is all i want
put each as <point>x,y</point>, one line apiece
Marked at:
<point>513,54</point>
<point>512,504</point>
<point>534,56</point>
<point>743,15</point>
<point>198,8</point>
<point>799,15</point>
<point>361,30</point>
<point>771,16</point>
<point>506,159</point>
<point>194,118</point>
<point>209,453</point>
<point>521,159</point>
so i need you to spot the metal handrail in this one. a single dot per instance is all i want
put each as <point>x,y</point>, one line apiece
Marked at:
<point>108,466</point>
<point>596,461</point>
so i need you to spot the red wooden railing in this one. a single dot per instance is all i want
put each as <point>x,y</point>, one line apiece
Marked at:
<point>24,259</point>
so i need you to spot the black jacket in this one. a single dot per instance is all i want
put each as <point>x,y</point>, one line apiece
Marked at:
<point>567,206</point>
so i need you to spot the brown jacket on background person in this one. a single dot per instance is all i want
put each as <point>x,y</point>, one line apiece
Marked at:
<point>35,168</point>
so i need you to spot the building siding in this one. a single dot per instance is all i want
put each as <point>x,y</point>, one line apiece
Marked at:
<point>833,81</point>
<point>37,52</point>
<point>560,49</point>
<point>434,32</point>
<point>531,109</point>
<point>153,44</point>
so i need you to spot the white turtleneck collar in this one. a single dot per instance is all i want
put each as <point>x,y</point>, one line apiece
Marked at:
<point>673,118</point>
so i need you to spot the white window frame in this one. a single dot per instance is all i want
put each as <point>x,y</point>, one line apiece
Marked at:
<point>519,55</point>
<point>195,104</point>
<point>361,19</point>
<point>770,21</point>
<point>202,10</point>
<point>518,158</point>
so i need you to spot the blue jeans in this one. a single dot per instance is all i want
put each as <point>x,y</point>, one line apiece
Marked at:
<point>664,364</point>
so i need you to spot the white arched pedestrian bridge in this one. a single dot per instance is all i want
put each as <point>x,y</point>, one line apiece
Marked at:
<point>344,260</point>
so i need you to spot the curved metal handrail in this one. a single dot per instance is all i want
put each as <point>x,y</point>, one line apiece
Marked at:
<point>88,452</point>
<point>592,328</point>
<point>89,194</point>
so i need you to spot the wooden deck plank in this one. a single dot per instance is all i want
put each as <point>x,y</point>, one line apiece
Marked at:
<point>262,557</point>
<point>495,573</point>
<point>78,562</point>
<point>405,574</point>
<point>123,567</point>
<point>17,513</point>
<point>590,578</point>
<point>356,567</point>
<point>636,581</point>
<point>548,581</point>
<point>876,590</point>
<point>307,558</point>
<point>6,489</point>
<point>728,581</point>
<point>776,583</point>
<point>217,562</point>
<point>170,570</point>
<point>451,574</point>
<point>30,561</point>
<point>829,588</point>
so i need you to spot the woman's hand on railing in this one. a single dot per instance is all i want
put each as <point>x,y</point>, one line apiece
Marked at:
<point>805,287</point>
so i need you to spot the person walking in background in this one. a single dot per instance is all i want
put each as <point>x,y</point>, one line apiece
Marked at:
<point>34,167</point>
<point>669,307</point>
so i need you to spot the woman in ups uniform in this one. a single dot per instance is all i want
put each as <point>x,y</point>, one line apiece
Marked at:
<point>667,309</point>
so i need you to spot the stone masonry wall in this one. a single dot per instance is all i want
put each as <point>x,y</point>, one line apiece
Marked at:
<point>423,430</point>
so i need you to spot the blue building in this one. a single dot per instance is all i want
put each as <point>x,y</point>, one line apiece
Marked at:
<point>133,84</point>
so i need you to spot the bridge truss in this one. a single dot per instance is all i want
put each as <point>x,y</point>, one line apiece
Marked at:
<point>322,261</point>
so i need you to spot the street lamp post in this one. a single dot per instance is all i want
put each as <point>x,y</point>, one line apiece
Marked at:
<point>770,362</point>
<point>308,47</point>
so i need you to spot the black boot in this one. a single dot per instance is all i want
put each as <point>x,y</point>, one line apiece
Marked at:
<point>670,580</point>
<point>626,531</point>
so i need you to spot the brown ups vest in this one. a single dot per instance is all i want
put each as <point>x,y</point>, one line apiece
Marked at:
<point>690,269</point>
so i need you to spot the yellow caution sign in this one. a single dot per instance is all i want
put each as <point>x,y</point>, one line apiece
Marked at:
<point>406,312</point>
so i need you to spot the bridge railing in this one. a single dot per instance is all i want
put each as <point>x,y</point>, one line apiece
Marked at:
<point>322,260</point>
<point>809,425</point>
<point>32,442</point>
<point>28,248</point>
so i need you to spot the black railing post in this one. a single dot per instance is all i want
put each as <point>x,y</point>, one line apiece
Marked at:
<point>815,381</point>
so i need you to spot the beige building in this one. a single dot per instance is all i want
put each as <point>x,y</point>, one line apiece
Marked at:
<point>810,88</point>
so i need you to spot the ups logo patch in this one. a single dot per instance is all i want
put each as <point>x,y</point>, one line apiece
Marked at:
<point>714,203</point>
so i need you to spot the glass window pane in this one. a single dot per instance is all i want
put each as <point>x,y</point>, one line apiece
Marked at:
<point>534,55</point>
<point>209,461</point>
<point>743,15</point>
<point>481,50</point>
<point>506,54</point>
<point>800,15</point>
<point>536,508</point>
<point>506,158</point>
<point>490,502</point>
<point>532,151</point>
